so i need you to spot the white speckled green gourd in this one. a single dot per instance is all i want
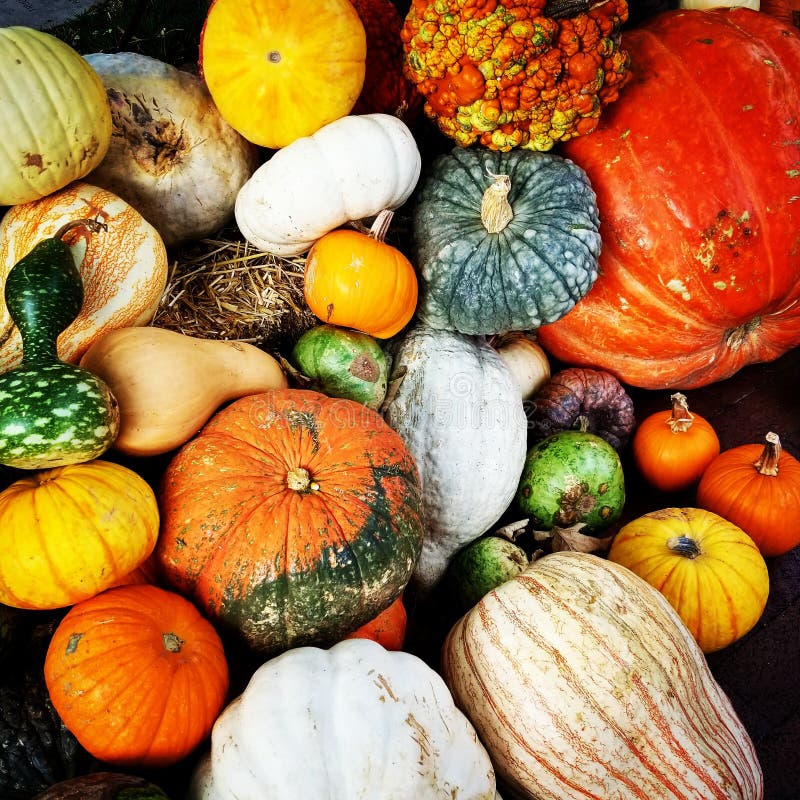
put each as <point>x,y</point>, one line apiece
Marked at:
<point>51,413</point>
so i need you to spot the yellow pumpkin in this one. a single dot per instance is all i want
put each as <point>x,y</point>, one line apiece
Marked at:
<point>54,115</point>
<point>709,570</point>
<point>68,533</point>
<point>123,266</point>
<point>278,70</point>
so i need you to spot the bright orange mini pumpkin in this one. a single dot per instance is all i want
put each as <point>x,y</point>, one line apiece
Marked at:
<point>137,675</point>
<point>672,448</point>
<point>756,487</point>
<point>277,70</point>
<point>357,280</point>
<point>709,569</point>
<point>70,532</point>
<point>291,519</point>
<point>388,628</point>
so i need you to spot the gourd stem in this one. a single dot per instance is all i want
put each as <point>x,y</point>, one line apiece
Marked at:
<point>684,546</point>
<point>581,423</point>
<point>767,463</point>
<point>681,419</point>
<point>93,225</point>
<point>381,225</point>
<point>496,211</point>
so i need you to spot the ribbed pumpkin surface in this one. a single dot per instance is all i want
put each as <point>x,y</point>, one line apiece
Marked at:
<point>582,682</point>
<point>291,518</point>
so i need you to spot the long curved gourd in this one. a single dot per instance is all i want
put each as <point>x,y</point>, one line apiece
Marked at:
<point>52,413</point>
<point>582,681</point>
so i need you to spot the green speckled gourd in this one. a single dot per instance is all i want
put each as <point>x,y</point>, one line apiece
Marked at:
<point>503,241</point>
<point>51,413</point>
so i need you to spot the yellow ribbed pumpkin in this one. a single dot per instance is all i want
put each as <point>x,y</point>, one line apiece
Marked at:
<point>54,115</point>
<point>582,681</point>
<point>123,267</point>
<point>68,533</point>
<point>709,569</point>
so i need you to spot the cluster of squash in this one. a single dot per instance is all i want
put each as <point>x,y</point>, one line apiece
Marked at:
<point>223,540</point>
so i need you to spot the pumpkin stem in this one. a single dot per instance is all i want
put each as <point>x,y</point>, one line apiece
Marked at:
<point>681,419</point>
<point>94,225</point>
<point>684,546</point>
<point>172,642</point>
<point>559,9</point>
<point>381,225</point>
<point>767,463</point>
<point>299,479</point>
<point>496,211</point>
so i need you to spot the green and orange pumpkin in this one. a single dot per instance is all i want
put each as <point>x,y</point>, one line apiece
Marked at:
<point>292,518</point>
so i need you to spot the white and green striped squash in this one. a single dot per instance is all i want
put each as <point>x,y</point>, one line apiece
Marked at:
<point>582,681</point>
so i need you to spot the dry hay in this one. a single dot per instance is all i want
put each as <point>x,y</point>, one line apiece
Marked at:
<point>223,288</point>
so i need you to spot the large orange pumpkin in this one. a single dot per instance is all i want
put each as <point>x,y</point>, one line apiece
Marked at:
<point>137,675</point>
<point>278,70</point>
<point>696,175</point>
<point>291,518</point>
<point>123,266</point>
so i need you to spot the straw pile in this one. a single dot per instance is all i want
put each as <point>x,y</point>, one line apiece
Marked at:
<point>223,288</point>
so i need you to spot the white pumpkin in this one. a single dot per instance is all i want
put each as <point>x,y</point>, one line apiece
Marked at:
<point>353,721</point>
<point>54,115</point>
<point>350,169</point>
<point>582,681</point>
<point>459,410</point>
<point>172,156</point>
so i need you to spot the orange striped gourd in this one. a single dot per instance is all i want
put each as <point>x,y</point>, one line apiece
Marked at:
<point>582,681</point>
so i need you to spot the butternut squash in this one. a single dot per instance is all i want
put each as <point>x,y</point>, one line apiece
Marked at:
<point>169,384</point>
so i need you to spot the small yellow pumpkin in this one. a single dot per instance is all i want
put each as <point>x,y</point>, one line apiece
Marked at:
<point>709,569</point>
<point>70,532</point>
<point>123,266</point>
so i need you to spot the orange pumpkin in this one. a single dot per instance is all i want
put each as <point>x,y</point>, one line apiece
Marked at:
<point>709,569</point>
<point>357,280</point>
<point>388,628</point>
<point>70,532</point>
<point>278,71</point>
<point>671,449</point>
<point>123,267</point>
<point>292,518</point>
<point>756,487</point>
<point>784,10</point>
<point>137,675</point>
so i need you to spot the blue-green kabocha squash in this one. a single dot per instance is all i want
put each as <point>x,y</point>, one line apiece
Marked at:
<point>503,241</point>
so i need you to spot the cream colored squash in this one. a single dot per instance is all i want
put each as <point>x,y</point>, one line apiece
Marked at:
<point>582,681</point>
<point>350,169</point>
<point>54,115</point>
<point>168,384</point>
<point>123,268</point>
<point>172,156</point>
<point>353,721</point>
<point>459,411</point>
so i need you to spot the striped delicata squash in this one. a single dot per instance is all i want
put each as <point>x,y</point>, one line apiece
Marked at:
<point>583,682</point>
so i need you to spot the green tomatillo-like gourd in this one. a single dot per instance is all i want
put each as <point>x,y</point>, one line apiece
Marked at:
<point>503,241</point>
<point>51,413</point>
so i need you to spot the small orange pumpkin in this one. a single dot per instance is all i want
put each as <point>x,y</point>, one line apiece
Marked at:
<point>357,280</point>
<point>388,628</point>
<point>137,675</point>
<point>756,487</point>
<point>709,569</point>
<point>278,71</point>
<point>123,267</point>
<point>672,448</point>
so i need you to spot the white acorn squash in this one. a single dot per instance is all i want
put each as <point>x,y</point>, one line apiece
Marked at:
<point>582,681</point>
<point>459,411</point>
<point>353,721</point>
<point>172,156</point>
<point>349,169</point>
